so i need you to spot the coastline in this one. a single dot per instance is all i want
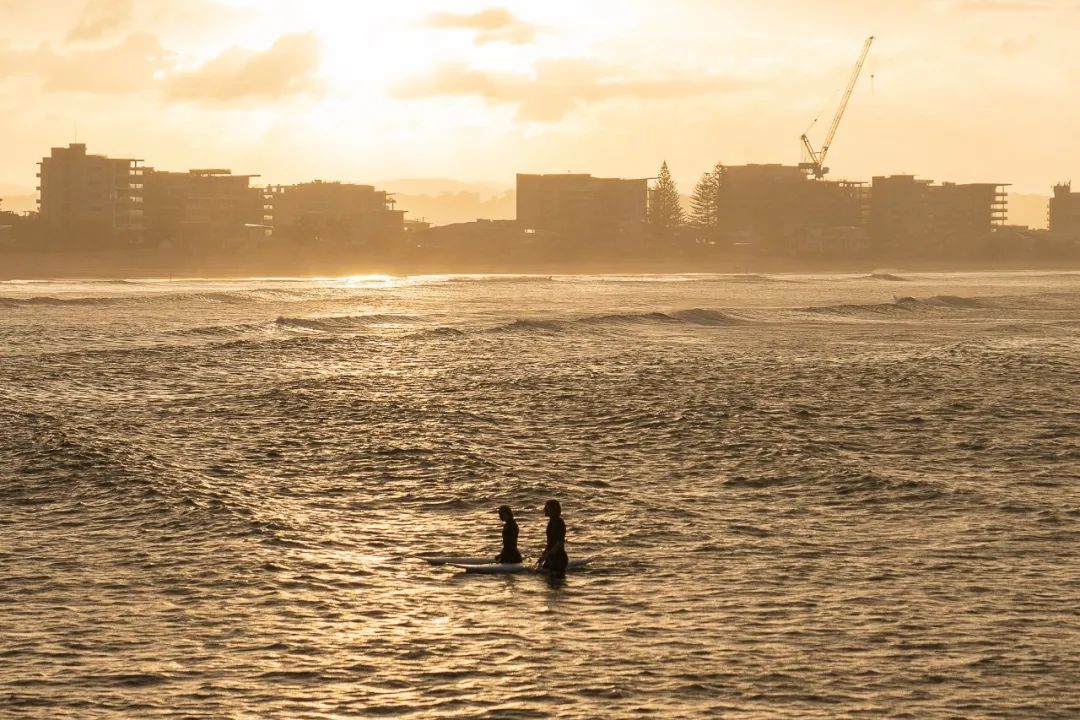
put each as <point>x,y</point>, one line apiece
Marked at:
<point>157,265</point>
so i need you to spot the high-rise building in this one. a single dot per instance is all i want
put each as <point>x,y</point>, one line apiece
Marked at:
<point>1064,211</point>
<point>89,201</point>
<point>200,207</point>
<point>333,213</point>
<point>583,206</point>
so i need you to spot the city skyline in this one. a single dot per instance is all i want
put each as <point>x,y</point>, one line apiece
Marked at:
<point>970,91</point>
<point>93,203</point>
<point>442,201</point>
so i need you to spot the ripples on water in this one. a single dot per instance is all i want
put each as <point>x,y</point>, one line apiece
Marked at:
<point>806,497</point>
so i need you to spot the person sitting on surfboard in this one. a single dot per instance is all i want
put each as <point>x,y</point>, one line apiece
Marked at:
<point>554,558</point>
<point>509,552</point>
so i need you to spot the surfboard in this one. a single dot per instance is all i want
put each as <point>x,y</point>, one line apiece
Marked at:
<point>510,568</point>
<point>452,560</point>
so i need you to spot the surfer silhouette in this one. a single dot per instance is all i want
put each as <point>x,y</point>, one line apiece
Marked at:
<point>509,552</point>
<point>554,558</point>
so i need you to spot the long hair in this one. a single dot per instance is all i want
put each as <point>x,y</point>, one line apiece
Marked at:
<point>554,507</point>
<point>505,512</point>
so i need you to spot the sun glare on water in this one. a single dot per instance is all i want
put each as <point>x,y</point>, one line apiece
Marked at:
<point>375,280</point>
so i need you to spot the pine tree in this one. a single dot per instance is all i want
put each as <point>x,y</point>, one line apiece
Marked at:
<point>665,210</point>
<point>719,201</point>
<point>703,204</point>
<point>718,185</point>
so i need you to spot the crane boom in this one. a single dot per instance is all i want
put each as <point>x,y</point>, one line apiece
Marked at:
<point>816,165</point>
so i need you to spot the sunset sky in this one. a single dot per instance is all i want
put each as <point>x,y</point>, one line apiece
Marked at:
<point>965,90</point>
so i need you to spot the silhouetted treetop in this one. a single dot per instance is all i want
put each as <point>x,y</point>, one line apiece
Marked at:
<point>665,210</point>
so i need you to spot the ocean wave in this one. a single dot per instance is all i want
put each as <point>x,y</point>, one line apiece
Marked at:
<point>884,488</point>
<point>217,330</point>
<point>140,298</point>
<point>954,301</point>
<point>626,318</point>
<point>278,342</point>
<point>900,306</point>
<point>737,278</point>
<point>697,316</point>
<point>693,316</point>
<point>228,298</point>
<point>55,301</point>
<point>753,278</point>
<point>531,326</point>
<point>887,276</point>
<point>340,323</point>
<point>500,279</point>
<point>435,333</point>
<point>235,297</point>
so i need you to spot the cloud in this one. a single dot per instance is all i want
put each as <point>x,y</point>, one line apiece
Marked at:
<point>557,87</point>
<point>125,67</point>
<point>1015,5</point>
<point>491,25</point>
<point>101,18</point>
<point>289,67</point>
<point>1017,46</point>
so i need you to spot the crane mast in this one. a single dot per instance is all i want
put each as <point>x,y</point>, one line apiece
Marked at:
<point>815,159</point>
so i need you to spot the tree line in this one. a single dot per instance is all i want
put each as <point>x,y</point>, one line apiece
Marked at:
<point>666,212</point>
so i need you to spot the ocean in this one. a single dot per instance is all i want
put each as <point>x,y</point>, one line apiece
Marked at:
<point>805,496</point>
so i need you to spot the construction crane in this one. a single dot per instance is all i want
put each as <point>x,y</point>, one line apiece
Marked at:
<point>814,160</point>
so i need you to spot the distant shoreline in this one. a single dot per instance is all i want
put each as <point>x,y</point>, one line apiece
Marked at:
<point>112,265</point>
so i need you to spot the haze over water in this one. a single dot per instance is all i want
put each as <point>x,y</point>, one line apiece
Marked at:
<point>806,496</point>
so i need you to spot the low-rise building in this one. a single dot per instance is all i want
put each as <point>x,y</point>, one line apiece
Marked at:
<point>333,213</point>
<point>209,207</point>
<point>600,211</point>
<point>912,215</point>
<point>479,239</point>
<point>963,212</point>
